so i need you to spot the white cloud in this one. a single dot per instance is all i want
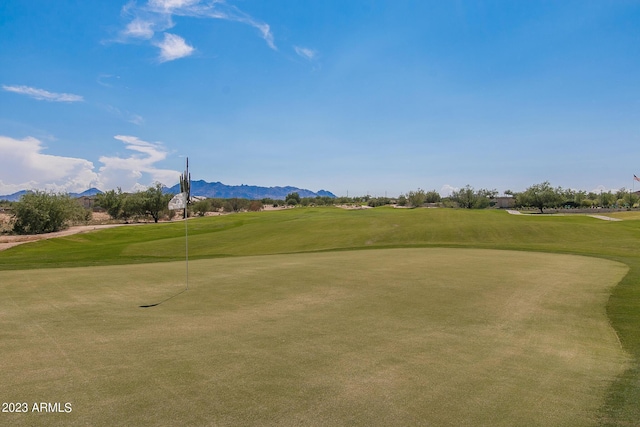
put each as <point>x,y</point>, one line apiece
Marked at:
<point>43,95</point>
<point>126,172</point>
<point>173,47</point>
<point>602,189</point>
<point>447,190</point>
<point>128,116</point>
<point>156,16</point>
<point>140,28</point>
<point>168,5</point>
<point>306,53</point>
<point>24,166</point>
<point>265,30</point>
<point>106,80</point>
<point>136,119</point>
<point>221,10</point>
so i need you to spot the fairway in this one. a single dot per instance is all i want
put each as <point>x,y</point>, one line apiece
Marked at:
<point>422,336</point>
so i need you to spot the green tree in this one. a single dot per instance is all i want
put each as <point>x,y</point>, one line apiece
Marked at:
<point>541,196</point>
<point>292,199</point>
<point>621,193</point>
<point>201,207</point>
<point>306,201</point>
<point>465,197</point>
<point>483,198</point>
<point>416,198</point>
<point>111,201</point>
<point>606,200</point>
<point>131,206</point>
<point>433,196</point>
<point>631,199</point>
<point>153,201</point>
<point>216,204</point>
<point>378,201</point>
<point>255,206</point>
<point>39,212</point>
<point>586,203</point>
<point>579,197</point>
<point>236,205</point>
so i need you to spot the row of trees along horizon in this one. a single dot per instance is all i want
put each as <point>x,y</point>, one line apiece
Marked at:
<point>40,212</point>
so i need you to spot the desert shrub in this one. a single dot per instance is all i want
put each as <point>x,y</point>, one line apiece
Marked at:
<point>39,212</point>
<point>235,205</point>
<point>201,207</point>
<point>378,201</point>
<point>292,199</point>
<point>416,198</point>
<point>255,206</point>
<point>111,201</point>
<point>432,196</point>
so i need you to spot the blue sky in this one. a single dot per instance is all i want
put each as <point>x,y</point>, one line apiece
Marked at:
<point>364,97</point>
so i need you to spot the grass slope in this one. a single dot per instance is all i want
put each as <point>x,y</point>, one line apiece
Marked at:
<point>381,337</point>
<point>310,230</point>
<point>330,229</point>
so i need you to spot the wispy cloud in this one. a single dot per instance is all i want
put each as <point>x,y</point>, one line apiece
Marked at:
<point>136,119</point>
<point>156,16</point>
<point>25,165</point>
<point>173,47</point>
<point>128,116</point>
<point>169,5</point>
<point>106,80</point>
<point>140,28</point>
<point>306,53</point>
<point>129,172</point>
<point>43,95</point>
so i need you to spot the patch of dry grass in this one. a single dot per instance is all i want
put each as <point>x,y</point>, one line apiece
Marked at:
<point>628,215</point>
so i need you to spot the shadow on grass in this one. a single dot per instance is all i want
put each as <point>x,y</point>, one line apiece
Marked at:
<point>164,300</point>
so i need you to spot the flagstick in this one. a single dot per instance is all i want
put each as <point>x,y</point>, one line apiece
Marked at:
<point>187,185</point>
<point>181,201</point>
<point>186,245</point>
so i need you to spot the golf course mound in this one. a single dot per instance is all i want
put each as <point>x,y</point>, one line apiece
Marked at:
<point>412,336</point>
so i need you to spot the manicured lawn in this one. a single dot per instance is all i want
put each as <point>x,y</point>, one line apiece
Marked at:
<point>382,337</point>
<point>326,229</point>
<point>133,267</point>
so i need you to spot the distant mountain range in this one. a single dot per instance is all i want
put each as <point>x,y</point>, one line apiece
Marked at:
<point>213,189</point>
<point>16,196</point>
<point>252,192</point>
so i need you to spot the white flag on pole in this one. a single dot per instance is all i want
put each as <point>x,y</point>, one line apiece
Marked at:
<point>179,201</point>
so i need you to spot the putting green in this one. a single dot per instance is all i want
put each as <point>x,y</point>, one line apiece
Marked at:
<point>376,337</point>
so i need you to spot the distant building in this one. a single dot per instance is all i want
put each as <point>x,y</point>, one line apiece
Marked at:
<point>86,201</point>
<point>505,202</point>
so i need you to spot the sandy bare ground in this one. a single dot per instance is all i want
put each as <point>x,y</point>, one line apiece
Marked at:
<point>9,241</point>
<point>602,217</point>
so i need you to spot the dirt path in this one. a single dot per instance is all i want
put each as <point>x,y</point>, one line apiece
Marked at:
<point>7,242</point>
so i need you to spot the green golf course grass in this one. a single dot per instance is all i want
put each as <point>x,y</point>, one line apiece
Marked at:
<point>328,317</point>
